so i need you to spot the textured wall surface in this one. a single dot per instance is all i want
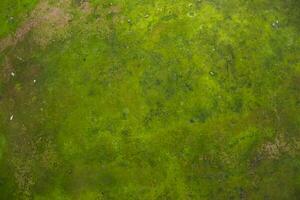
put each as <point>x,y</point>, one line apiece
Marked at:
<point>146,100</point>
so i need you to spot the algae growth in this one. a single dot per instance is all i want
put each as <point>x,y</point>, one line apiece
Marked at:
<point>140,99</point>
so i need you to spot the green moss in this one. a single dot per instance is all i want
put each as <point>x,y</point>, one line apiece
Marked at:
<point>155,100</point>
<point>12,13</point>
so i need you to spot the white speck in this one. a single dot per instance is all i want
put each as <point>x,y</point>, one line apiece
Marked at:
<point>34,81</point>
<point>12,74</point>
<point>275,24</point>
<point>11,117</point>
<point>19,58</point>
<point>212,73</point>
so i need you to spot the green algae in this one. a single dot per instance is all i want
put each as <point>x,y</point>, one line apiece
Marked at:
<point>154,100</point>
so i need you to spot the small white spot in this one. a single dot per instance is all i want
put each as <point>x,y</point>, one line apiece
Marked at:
<point>275,24</point>
<point>34,81</point>
<point>19,58</point>
<point>212,73</point>
<point>11,117</point>
<point>12,74</point>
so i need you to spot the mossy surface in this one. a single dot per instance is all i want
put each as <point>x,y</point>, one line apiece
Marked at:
<point>140,99</point>
<point>12,12</point>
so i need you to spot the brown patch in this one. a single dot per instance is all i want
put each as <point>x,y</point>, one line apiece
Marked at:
<point>25,156</point>
<point>86,7</point>
<point>46,21</point>
<point>115,9</point>
<point>24,177</point>
<point>53,22</point>
<point>7,69</point>
<point>44,16</point>
<point>20,34</point>
<point>6,42</point>
<point>278,147</point>
<point>49,158</point>
<point>273,150</point>
<point>22,160</point>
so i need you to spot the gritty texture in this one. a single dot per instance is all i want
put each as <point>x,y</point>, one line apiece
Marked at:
<point>146,100</point>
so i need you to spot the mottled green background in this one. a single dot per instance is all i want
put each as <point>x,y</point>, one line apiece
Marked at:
<point>149,99</point>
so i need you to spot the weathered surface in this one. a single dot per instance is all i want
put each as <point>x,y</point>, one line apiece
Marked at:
<point>149,99</point>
